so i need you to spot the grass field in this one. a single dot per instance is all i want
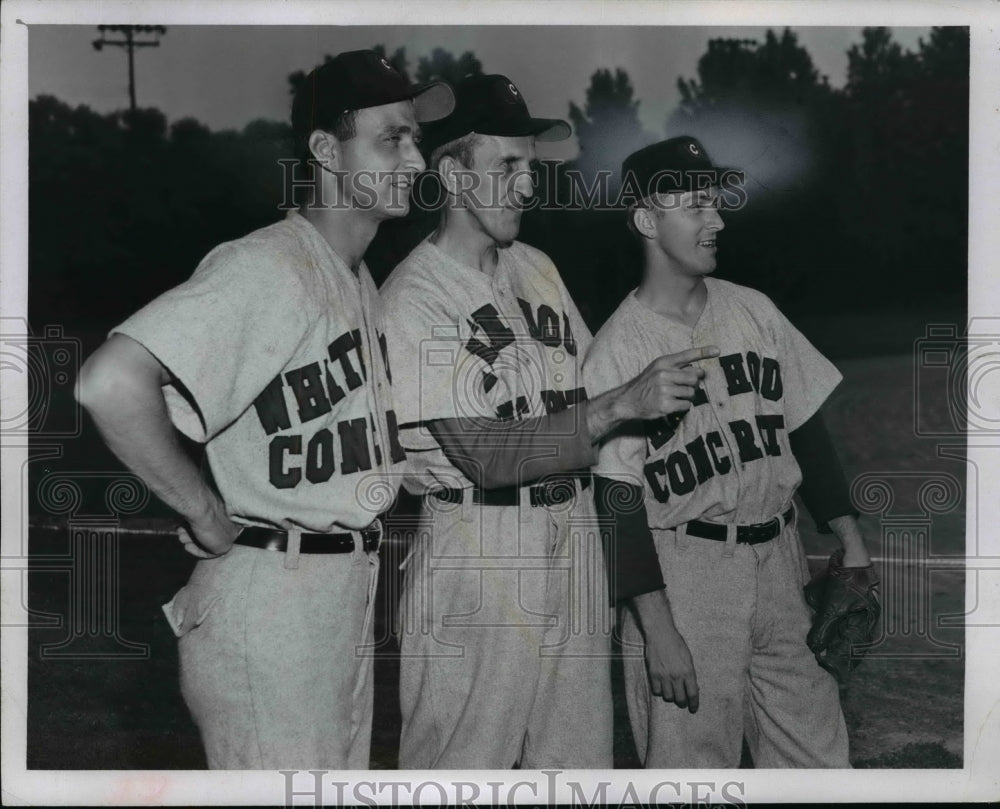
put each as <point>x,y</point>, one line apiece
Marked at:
<point>904,707</point>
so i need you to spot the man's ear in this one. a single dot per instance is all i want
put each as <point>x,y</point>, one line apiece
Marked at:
<point>446,168</point>
<point>642,221</point>
<point>323,147</point>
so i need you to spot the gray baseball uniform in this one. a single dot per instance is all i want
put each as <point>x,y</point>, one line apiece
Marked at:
<point>738,606</point>
<point>276,346</point>
<point>505,629</point>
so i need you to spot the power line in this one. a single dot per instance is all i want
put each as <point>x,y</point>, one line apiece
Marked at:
<point>130,43</point>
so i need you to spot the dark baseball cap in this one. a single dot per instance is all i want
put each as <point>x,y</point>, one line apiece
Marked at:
<point>355,80</point>
<point>677,164</point>
<point>492,105</point>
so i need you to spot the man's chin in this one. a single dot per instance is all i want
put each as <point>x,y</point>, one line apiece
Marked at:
<point>397,211</point>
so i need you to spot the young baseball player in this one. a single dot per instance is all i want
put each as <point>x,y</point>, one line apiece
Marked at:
<point>705,546</point>
<point>505,625</point>
<point>272,354</point>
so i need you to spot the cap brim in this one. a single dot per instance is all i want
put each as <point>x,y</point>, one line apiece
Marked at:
<point>433,101</point>
<point>551,130</point>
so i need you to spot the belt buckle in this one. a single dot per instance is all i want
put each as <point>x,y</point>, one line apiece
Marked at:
<point>371,537</point>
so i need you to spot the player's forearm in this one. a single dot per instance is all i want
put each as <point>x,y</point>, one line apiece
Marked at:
<point>605,412</point>
<point>125,401</point>
<point>493,453</point>
<point>654,615</point>
<point>849,533</point>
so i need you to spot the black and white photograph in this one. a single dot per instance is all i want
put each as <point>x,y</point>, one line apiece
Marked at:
<point>474,403</point>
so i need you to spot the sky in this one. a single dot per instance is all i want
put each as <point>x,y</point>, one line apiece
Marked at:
<point>226,76</point>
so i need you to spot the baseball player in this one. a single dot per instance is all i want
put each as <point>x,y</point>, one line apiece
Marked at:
<point>272,355</point>
<point>706,552</point>
<point>504,623</point>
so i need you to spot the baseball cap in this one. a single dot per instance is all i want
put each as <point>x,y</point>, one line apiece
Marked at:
<point>355,80</point>
<point>492,105</point>
<point>677,164</point>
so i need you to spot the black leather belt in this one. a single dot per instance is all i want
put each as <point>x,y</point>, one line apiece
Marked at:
<point>552,491</point>
<point>745,534</point>
<point>272,539</point>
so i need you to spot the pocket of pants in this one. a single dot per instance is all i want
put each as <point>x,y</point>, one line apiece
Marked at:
<point>188,609</point>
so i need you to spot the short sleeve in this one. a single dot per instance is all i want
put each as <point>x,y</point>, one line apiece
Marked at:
<point>808,378</point>
<point>582,337</point>
<point>623,451</point>
<point>224,334</point>
<point>435,375</point>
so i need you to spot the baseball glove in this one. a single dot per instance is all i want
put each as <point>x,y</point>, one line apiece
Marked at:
<point>847,608</point>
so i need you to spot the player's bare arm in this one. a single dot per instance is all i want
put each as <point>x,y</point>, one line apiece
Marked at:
<point>668,660</point>
<point>849,533</point>
<point>120,386</point>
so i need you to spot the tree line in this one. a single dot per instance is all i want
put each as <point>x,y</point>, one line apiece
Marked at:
<point>857,196</point>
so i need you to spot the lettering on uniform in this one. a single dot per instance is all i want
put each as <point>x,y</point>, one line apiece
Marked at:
<point>314,393</point>
<point>547,327</point>
<point>354,444</point>
<point>396,452</point>
<point>271,409</point>
<point>715,443</point>
<point>743,433</point>
<point>699,454</point>
<point>315,390</point>
<point>320,462</point>
<point>508,412</point>
<point>752,374</point>
<point>307,386</point>
<point>660,431</point>
<point>338,350</point>
<point>280,477</point>
<point>768,427</point>
<point>487,320</point>
<point>704,457</point>
<point>736,375</point>
<point>555,401</point>
<point>384,349</point>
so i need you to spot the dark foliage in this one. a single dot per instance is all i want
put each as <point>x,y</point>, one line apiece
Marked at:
<point>856,197</point>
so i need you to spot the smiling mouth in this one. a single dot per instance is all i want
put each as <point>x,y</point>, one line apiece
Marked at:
<point>710,243</point>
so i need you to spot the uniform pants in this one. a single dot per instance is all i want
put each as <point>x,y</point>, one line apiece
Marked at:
<point>505,639</point>
<point>741,611</point>
<point>273,658</point>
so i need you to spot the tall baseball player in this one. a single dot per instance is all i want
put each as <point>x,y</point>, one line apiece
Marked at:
<point>505,627</point>
<point>700,503</point>
<point>272,354</point>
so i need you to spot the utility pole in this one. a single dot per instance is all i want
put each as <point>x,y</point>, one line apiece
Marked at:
<point>130,43</point>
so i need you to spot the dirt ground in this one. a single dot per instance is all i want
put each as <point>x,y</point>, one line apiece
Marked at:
<point>904,706</point>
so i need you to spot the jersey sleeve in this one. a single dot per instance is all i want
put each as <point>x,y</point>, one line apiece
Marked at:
<point>223,335</point>
<point>808,377</point>
<point>582,338</point>
<point>629,551</point>
<point>434,375</point>
<point>623,451</point>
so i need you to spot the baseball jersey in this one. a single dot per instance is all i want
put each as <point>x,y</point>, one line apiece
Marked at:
<point>465,344</point>
<point>279,353</point>
<point>728,458</point>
